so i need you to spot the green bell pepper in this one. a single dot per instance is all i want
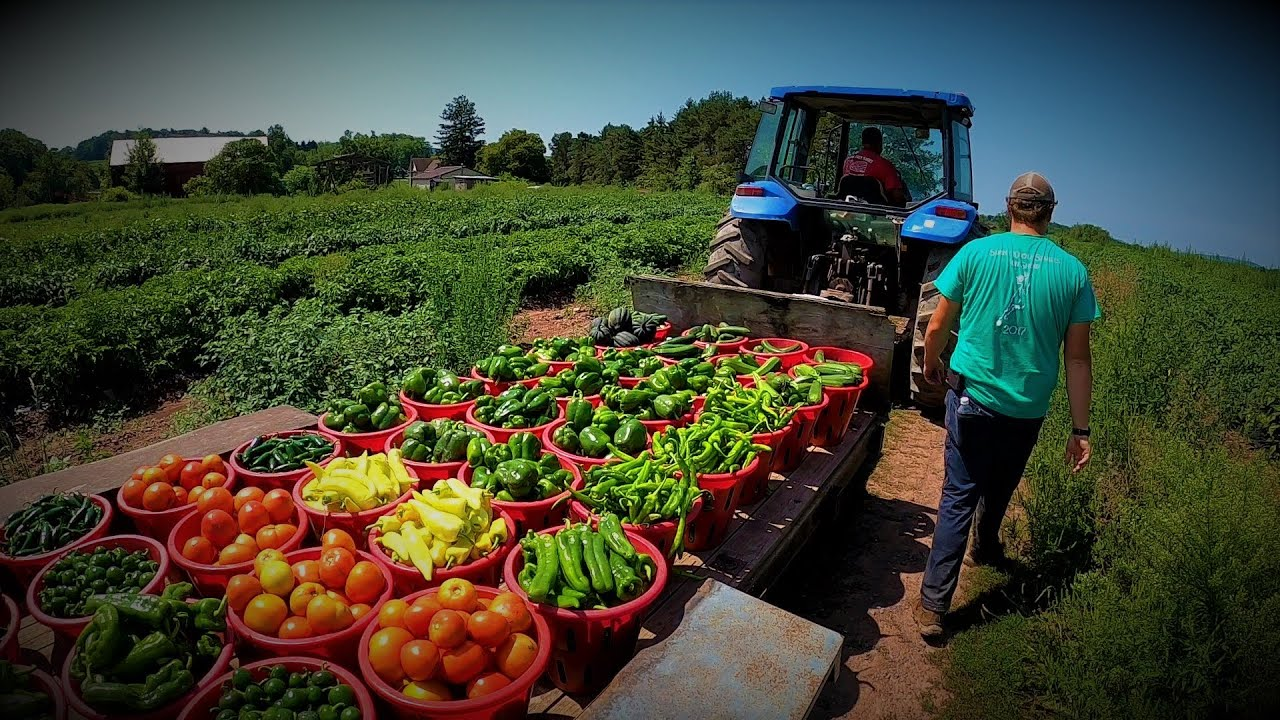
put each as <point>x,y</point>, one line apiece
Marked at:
<point>631,437</point>
<point>578,413</point>
<point>525,446</point>
<point>594,441</point>
<point>606,419</point>
<point>476,448</point>
<point>415,383</point>
<point>566,439</point>
<point>372,394</point>
<point>517,476</point>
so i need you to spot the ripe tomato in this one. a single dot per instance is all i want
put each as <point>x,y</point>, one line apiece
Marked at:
<point>193,495</point>
<point>457,594</point>
<point>486,684</point>
<point>172,466</point>
<point>335,565</point>
<point>392,613</point>
<point>431,690</point>
<point>191,475</point>
<point>365,582</point>
<point>247,494</point>
<point>268,538</point>
<point>515,655</point>
<point>338,538</point>
<point>240,590</point>
<point>279,505</point>
<point>295,628</point>
<point>131,492</point>
<point>448,630</point>
<point>236,552</point>
<point>266,613</point>
<point>154,475</point>
<point>158,496</point>
<point>265,556</point>
<point>285,531</point>
<point>302,596</point>
<point>219,528</point>
<point>179,495</point>
<point>307,571</point>
<point>488,628</point>
<point>417,619</point>
<point>137,472</point>
<point>198,549</point>
<point>512,607</point>
<point>252,517</point>
<point>384,653</point>
<point>420,659</point>
<point>359,610</point>
<point>462,663</point>
<point>216,499</point>
<point>214,463</point>
<point>214,479</point>
<point>328,615</point>
<point>276,577</point>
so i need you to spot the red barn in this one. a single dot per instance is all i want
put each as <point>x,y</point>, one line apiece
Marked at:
<point>182,157</point>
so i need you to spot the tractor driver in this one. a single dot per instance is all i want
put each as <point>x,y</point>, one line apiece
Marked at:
<point>868,162</point>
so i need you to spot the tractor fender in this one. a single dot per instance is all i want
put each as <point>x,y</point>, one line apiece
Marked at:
<point>764,200</point>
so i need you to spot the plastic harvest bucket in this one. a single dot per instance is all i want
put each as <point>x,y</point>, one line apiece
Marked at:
<point>429,412</point>
<point>584,463</point>
<point>834,421</point>
<point>504,434</point>
<point>789,359</point>
<point>322,521</point>
<point>24,568</point>
<point>203,704</point>
<point>661,534</point>
<point>71,689</point>
<point>356,443</point>
<point>158,524</point>
<point>10,621</point>
<point>484,571</point>
<point>712,524</point>
<point>806,422</point>
<point>770,462</point>
<point>211,580</point>
<point>284,480</point>
<point>537,514</point>
<point>45,683</point>
<point>432,471</point>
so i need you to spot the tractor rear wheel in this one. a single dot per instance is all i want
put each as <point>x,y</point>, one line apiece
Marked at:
<point>737,254</point>
<point>923,393</point>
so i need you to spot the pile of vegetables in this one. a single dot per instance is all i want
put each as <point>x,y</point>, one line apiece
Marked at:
<point>282,694</point>
<point>582,568</point>
<point>710,446</point>
<point>19,697</point>
<point>766,347</point>
<point>753,410</point>
<point>54,521</point>
<point>372,410</point>
<point>598,432</point>
<point>78,575</point>
<point>142,652</point>
<point>679,348</point>
<point>283,454</point>
<point>636,363</point>
<point>562,349</point>
<point>640,491</point>
<point>585,377</point>
<point>234,529</point>
<point>517,407</point>
<point>746,364</point>
<point>645,404</point>
<point>510,363</point>
<point>437,386</point>
<point>449,525</point>
<point>693,374</point>
<point>830,373</point>
<point>172,482</point>
<point>623,327</point>
<point>438,441</point>
<point>721,333</point>
<point>359,483</point>
<point>517,470</point>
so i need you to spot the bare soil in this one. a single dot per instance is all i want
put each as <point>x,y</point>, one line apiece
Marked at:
<point>570,320</point>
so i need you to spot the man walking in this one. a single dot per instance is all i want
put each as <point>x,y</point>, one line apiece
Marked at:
<point>1019,297</point>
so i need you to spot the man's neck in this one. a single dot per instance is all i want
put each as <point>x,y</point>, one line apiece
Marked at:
<point>1019,228</point>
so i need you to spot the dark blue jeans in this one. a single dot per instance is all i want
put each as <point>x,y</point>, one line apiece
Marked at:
<point>986,453</point>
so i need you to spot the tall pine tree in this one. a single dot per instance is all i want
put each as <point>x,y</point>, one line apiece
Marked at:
<point>460,131</point>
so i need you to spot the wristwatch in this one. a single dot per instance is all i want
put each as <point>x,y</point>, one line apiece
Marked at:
<point>1080,432</point>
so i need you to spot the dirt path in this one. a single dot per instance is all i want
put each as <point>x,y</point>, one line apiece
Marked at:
<point>864,575</point>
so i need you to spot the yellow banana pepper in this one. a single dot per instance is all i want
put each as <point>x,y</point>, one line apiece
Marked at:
<point>440,524</point>
<point>419,553</point>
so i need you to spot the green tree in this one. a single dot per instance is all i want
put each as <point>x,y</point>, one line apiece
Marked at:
<point>301,180</point>
<point>460,131</point>
<point>56,177</point>
<point>18,154</point>
<point>244,167</point>
<point>283,152</point>
<point>143,173</point>
<point>8,193</point>
<point>561,157</point>
<point>617,156</point>
<point>659,155</point>
<point>518,152</point>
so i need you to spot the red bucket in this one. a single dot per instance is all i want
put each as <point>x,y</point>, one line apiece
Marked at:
<point>503,434</point>
<point>25,567</point>
<point>584,463</point>
<point>538,514</point>
<point>71,688</point>
<point>806,422</point>
<point>285,480</point>
<point>495,387</point>
<point>591,646</point>
<point>661,534</point>
<point>663,332</point>
<point>10,620</point>
<point>432,471</point>
<point>485,571</point>
<point>45,683</point>
<point>780,441</point>
<point>725,348</point>
<point>509,702</point>
<point>159,524</point>
<point>211,580</point>
<point>371,441</point>
<point>338,647</point>
<point>789,359</point>
<point>834,421</point>
<point>354,524</point>
<point>429,412</point>
<point>205,702</point>
<point>726,494</point>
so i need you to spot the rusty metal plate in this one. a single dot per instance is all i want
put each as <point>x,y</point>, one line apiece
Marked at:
<point>732,656</point>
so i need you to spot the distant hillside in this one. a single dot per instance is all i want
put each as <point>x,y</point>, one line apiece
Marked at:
<point>1238,261</point>
<point>97,147</point>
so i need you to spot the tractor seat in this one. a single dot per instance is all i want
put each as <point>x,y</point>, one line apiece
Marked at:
<point>865,189</point>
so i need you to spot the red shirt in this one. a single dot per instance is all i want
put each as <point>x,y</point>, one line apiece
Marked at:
<point>869,163</point>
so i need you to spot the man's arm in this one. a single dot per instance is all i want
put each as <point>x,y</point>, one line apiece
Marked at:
<point>1079,363</point>
<point>936,338</point>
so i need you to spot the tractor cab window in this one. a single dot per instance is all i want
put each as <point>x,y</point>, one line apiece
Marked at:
<point>793,156</point>
<point>766,134</point>
<point>915,152</point>
<point>961,162</point>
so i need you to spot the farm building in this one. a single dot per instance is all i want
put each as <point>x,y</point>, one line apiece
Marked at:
<point>182,157</point>
<point>429,173</point>
<point>341,169</point>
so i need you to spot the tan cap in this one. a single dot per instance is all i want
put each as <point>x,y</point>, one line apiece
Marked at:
<point>1032,186</point>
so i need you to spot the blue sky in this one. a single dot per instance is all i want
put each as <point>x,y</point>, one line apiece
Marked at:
<point>1157,125</point>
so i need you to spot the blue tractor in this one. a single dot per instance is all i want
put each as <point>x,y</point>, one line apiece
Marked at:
<point>798,223</point>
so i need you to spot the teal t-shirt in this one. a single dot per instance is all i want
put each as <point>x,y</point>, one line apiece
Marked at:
<point>1017,295</point>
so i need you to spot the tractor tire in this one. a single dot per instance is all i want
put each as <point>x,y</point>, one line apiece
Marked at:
<point>737,254</point>
<point>923,393</point>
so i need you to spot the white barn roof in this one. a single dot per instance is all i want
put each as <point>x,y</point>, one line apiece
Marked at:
<point>179,149</point>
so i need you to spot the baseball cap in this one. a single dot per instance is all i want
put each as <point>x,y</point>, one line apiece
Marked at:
<point>1031,186</point>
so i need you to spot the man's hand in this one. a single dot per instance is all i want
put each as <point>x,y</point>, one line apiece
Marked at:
<point>936,337</point>
<point>934,371</point>
<point>1078,453</point>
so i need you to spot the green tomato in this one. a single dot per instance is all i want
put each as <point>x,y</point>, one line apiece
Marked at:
<point>273,689</point>
<point>351,713</point>
<point>321,679</point>
<point>342,695</point>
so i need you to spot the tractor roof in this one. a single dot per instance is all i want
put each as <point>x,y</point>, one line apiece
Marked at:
<point>955,100</point>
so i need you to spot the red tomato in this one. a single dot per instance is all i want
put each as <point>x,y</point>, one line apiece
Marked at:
<point>214,479</point>
<point>338,538</point>
<point>240,590</point>
<point>335,565</point>
<point>218,498</point>
<point>158,496</point>
<point>457,594</point>
<point>384,653</point>
<point>236,553</point>
<point>279,505</point>
<point>191,475</point>
<point>328,615</point>
<point>365,582</point>
<point>392,613</point>
<point>153,475</point>
<point>448,630</point>
<point>213,463</point>
<point>138,471</point>
<point>172,466</point>
<point>179,495</point>
<point>252,517</point>
<point>419,659</point>
<point>295,628</point>
<point>247,494</point>
<point>462,663</point>
<point>131,492</point>
<point>199,549</point>
<point>486,684</point>
<point>417,618</point>
<point>305,571</point>
<point>219,528</point>
<point>488,628</point>
<point>512,607</point>
<point>515,655</point>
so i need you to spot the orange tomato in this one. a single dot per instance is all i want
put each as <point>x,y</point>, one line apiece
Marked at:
<point>246,539</point>
<point>359,610</point>
<point>365,582</point>
<point>419,659</point>
<point>335,566</point>
<point>285,531</point>
<point>384,653</point>
<point>138,471</point>
<point>198,549</point>
<point>488,628</point>
<point>305,571</point>
<point>219,527</point>
<point>214,463</point>
<point>457,594</point>
<point>515,655</point>
<point>179,495</point>
<point>158,496</point>
<point>279,505</point>
<point>431,691</point>
<point>265,614</point>
<point>328,615</point>
<point>172,466</point>
<point>252,517</point>
<point>462,663</point>
<point>214,479</point>
<point>512,607</point>
<point>417,619</point>
<point>153,475</point>
<point>193,495</point>
<point>338,596</point>
<point>295,628</point>
<point>236,553</point>
<point>216,499</point>
<point>338,538</point>
<point>482,603</point>
<point>392,613</point>
<point>247,494</point>
<point>268,538</point>
<point>448,629</point>
<point>131,492</point>
<point>240,590</point>
<point>486,684</point>
<point>191,475</point>
<point>302,596</point>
